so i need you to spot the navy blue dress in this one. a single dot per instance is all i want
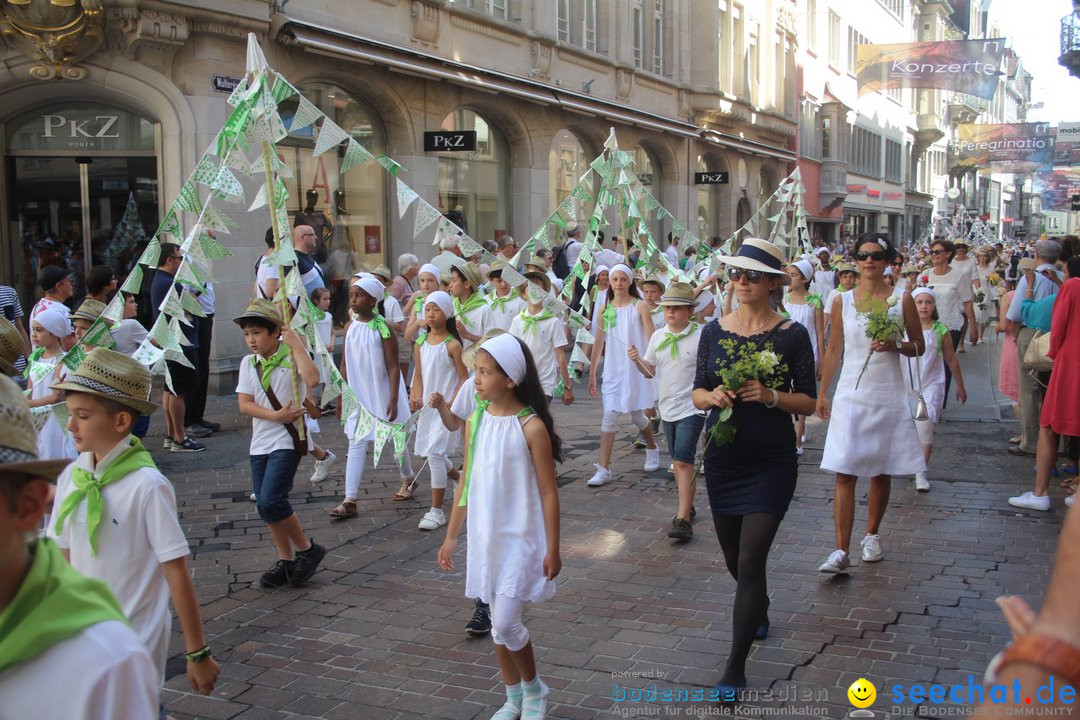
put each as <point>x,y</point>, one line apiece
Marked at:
<point>756,472</point>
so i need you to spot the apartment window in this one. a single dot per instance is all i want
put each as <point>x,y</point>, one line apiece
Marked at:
<point>495,8</point>
<point>753,65</point>
<point>658,38</point>
<point>589,25</point>
<point>894,153</point>
<point>896,94</point>
<point>637,21</point>
<point>827,139</point>
<point>577,23</point>
<point>865,152</point>
<point>809,145</point>
<point>855,39</point>
<point>896,7</point>
<point>811,23</point>
<point>834,39</point>
<point>564,20</point>
<point>738,38</point>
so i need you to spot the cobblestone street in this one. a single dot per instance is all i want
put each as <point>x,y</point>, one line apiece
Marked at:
<point>379,632</point>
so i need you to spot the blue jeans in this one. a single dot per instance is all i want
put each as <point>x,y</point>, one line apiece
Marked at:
<point>682,437</point>
<point>272,479</point>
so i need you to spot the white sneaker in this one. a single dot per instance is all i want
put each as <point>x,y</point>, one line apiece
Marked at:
<point>799,450</point>
<point>1031,501</point>
<point>922,483</point>
<point>254,497</point>
<point>433,519</point>
<point>836,564</point>
<point>652,459</point>
<point>871,548</point>
<point>1069,500</point>
<point>671,469</point>
<point>168,443</point>
<point>322,467</point>
<point>602,476</point>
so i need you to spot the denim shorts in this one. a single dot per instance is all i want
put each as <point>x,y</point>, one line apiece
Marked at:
<point>272,480</point>
<point>682,437</point>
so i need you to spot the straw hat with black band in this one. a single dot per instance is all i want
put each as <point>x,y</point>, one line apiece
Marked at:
<point>18,442</point>
<point>112,376</point>
<point>760,255</point>
<point>678,294</point>
<point>12,347</point>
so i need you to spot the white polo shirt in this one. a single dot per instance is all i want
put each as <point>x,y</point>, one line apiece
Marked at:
<point>542,343</point>
<point>268,435</point>
<point>675,375</point>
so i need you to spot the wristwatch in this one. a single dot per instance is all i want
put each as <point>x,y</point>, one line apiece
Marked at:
<point>1055,656</point>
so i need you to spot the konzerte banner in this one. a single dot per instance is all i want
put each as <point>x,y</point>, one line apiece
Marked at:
<point>967,66</point>
<point>1020,147</point>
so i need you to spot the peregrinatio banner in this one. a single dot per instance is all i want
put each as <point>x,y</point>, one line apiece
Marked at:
<point>967,66</point>
<point>1020,147</point>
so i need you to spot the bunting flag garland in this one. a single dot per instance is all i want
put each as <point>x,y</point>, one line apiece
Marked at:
<point>330,135</point>
<point>355,154</point>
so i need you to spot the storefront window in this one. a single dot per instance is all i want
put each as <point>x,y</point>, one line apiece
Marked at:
<point>476,183</point>
<point>711,199</point>
<point>347,210</point>
<point>567,162</point>
<point>767,185</point>
<point>648,172</point>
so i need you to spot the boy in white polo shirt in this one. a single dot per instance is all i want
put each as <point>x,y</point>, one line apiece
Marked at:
<point>115,513</point>
<point>66,650</point>
<point>264,391</point>
<point>672,358</point>
<point>542,331</point>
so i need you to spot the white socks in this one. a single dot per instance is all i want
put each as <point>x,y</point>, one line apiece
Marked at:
<point>511,709</point>
<point>534,704</point>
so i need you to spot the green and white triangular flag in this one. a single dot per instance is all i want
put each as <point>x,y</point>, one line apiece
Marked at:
<point>382,432</point>
<point>133,283</point>
<point>225,185</point>
<point>425,215</point>
<point>171,304</point>
<point>391,165</point>
<point>205,171</point>
<point>405,197</point>
<point>147,354</point>
<point>330,135</point>
<point>188,198</point>
<point>191,304</point>
<point>355,154</point>
<point>306,113</point>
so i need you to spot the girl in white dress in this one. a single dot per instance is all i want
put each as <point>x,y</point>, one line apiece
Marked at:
<point>370,361</point>
<point>428,281</point>
<point>930,372</point>
<point>511,502</point>
<point>805,308</point>
<point>43,370</point>
<point>627,321</point>
<point>871,432</point>
<point>439,369</point>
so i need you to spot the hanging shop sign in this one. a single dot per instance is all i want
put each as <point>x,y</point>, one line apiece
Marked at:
<point>711,178</point>
<point>447,141</point>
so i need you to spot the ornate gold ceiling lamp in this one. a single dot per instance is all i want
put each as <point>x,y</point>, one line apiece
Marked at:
<point>58,34</point>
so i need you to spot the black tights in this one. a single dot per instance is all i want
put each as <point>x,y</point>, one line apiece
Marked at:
<point>745,540</point>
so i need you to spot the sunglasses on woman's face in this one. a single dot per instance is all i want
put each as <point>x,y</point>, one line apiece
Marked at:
<point>876,256</point>
<point>754,276</point>
<point>939,252</point>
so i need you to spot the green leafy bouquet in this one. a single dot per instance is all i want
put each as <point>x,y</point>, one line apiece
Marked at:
<point>746,361</point>
<point>880,326</point>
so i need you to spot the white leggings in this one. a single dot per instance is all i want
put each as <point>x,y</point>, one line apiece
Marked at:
<point>354,467</point>
<point>611,420</point>
<point>506,626</point>
<point>439,465</point>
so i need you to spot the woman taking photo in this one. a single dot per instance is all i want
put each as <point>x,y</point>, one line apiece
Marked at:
<point>871,432</point>
<point>751,478</point>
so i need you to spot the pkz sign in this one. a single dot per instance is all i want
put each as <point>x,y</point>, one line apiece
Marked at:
<point>711,178</point>
<point>79,127</point>
<point>444,141</point>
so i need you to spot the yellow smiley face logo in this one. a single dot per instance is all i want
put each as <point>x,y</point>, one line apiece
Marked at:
<point>862,693</point>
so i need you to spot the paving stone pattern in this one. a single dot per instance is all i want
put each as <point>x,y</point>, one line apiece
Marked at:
<point>379,631</point>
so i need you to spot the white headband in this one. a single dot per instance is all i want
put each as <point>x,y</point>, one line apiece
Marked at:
<point>623,269</point>
<point>443,301</point>
<point>55,321</point>
<point>371,285</point>
<point>923,291</point>
<point>431,270</point>
<point>602,268</point>
<point>506,350</point>
<point>805,268</point>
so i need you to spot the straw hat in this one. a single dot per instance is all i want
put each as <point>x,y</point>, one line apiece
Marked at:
<point>908,269</point>
<point>383,272</point>
<point>18,442</point>
<point>471,273</point>
<point>846,267</point>
<point>12,347</point>
<point>468,356</point>
<point>760,255</point>
<point>540,277</point>
<point>678,294</point>
<point>652,279</point>
<point>114,376</point>
<point>535,264</point>
<point>262,309</point>
<point>90,309</point>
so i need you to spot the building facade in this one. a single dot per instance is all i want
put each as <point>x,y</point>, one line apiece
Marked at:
<point>98,139</point>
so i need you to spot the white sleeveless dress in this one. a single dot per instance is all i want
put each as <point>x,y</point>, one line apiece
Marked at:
<point>805,315</point>
<point>440,376</point>
<point>932,368</point>
<point>54,442</point>
<point>505,519</point>
<point>625,389</point>
<point>366,366</point>
<point>870,431</point>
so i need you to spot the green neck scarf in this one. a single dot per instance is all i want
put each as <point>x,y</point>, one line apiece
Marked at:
<point>672,340</point>
<point>33,358</point>
<point>608,317</point>
<point>941,331</point>
<point>475,300</point>
<point>88,486</point>
<point>418,303</point>
<point>815,300</point>
<point>474,429</point>
<point>379,325</point>
<point>53,603</point>
<point>498,304</point>
<point>266,366</point>
<point>528,322</point>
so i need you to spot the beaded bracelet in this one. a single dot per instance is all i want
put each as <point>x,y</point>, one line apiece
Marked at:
<point>199,655</point>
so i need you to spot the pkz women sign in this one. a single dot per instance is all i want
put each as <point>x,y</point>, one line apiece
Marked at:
<point>450,141</point>
<point>79,128</point>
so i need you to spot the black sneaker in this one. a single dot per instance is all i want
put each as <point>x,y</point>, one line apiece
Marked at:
<point>278,574</point>
<point>198,431</point>
<point>481,621</point>
<point>187,446</point>
<point>305,564</point>
<point>211,426</point>
<point>681,530</point>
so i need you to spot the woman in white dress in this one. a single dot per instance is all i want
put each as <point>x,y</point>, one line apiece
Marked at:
<point>955,298</point>
<point>871,432</point>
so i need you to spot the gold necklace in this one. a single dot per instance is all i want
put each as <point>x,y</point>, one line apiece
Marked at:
<point>748,330</point>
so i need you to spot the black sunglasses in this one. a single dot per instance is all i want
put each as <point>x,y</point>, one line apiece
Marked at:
<point>876,256</point>
<point>754,276</point>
